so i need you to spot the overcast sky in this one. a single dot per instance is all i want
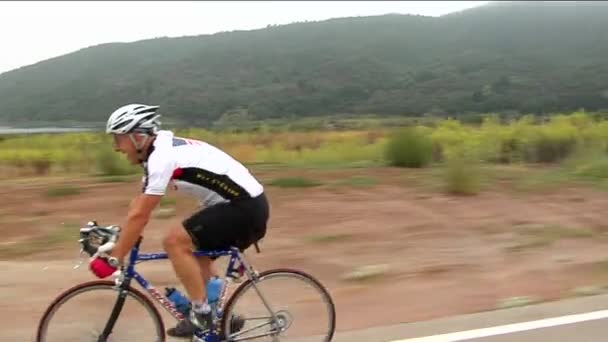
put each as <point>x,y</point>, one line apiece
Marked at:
<point>33,31</point>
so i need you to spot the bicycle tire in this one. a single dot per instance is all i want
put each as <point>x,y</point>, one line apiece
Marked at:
<point>92,286</point>
<point>233,300</point>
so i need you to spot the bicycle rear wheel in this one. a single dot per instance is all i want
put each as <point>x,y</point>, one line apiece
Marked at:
<point>282,303</point>
<point>82,312</point>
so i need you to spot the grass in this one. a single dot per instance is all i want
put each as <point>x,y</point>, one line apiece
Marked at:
<point>330,166</point>
<point>515,302</point>
<point>588,168</point>
<point>545,235</point>
<point>53,239</point>
<point>166,208</point>
<point>294,182</point>
<point>455,178</point>
<point>116,179</point>
<point>366,273</point>
<point>164,213</point>
<point>540,181</point>
<point>64,190</point>
<point>491,229</point>
<point>41,213</point>
<point>585,291</point>
<point>531,244</point>
<point>573,145</point>
<point>601,266</point>
<point>358,181</point>
<point>328,238</point>
<point>167,201</point>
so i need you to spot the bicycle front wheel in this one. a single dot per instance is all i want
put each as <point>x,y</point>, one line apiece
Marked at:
<point>281,305</point>
<point>82,312</point>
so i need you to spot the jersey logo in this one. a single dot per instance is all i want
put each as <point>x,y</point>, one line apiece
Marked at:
<point>216,183</point>
<point>221,184</point>
<point>179,142</point>
<point>184,141</point>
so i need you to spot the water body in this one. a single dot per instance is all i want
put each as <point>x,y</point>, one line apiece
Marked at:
<point>10,130</point>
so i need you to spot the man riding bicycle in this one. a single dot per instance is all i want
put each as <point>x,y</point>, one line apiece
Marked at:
<point>235,209</point>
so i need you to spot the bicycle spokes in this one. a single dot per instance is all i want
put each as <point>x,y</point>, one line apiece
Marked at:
<point>279,305</point>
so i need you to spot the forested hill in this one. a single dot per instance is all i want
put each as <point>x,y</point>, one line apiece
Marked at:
<point>526,57</point>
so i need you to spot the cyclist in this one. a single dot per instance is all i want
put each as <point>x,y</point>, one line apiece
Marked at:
<point>235,209</point>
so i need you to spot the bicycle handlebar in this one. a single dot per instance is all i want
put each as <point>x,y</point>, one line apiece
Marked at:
<point>97,240</point>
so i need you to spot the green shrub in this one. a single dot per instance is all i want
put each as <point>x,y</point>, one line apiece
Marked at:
<point>551,148</point>
<point>555,140</point>
<point>409,147</point>
<point>462,174</point>
<point>499,143</point>
<point>110,163</point>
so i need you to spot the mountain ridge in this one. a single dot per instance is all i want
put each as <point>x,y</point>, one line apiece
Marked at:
<point>528,58</point>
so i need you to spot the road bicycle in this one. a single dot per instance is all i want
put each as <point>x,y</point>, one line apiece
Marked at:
<point>276,317</point>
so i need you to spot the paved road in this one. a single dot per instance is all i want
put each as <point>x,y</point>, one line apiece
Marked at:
<point>573,320</point>
<point>591,331</point>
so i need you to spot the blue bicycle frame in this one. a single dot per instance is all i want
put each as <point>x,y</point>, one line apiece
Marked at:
<point>129,273</point>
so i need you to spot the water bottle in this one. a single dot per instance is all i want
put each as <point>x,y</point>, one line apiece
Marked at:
<point>182,304</point>
<point>214,290</point>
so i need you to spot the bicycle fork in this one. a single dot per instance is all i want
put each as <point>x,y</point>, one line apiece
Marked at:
<point>120,301</point>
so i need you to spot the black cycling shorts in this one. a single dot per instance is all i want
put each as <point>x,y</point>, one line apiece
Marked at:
<point>238,223</point>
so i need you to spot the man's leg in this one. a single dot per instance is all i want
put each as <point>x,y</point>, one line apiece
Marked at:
<point>178,246</point>
<point>190,271</point>
<point>208,269</point>
<point>216,227</point>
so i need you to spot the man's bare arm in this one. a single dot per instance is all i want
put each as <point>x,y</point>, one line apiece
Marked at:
<point>139,214</point>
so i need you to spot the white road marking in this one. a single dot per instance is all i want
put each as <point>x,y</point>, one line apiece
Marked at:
<point>510,328</point>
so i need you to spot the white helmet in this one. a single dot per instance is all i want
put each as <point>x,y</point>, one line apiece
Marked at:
<point>134,118</point>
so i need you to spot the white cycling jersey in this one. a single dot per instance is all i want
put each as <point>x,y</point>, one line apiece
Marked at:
<point>198,169</point>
